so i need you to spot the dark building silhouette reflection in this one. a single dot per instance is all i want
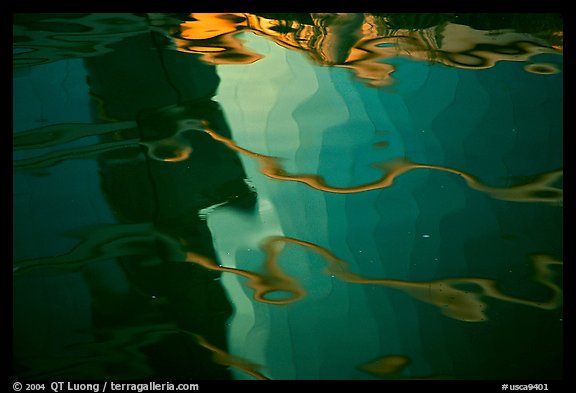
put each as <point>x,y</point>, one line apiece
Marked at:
<point>174,173</point>
<point>134,308</point>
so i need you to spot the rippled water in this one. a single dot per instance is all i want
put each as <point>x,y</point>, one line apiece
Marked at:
<point>288,196</point>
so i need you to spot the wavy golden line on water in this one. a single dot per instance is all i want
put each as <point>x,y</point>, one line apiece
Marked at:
<point>360,42</point>
<point>340,39</point>
<point>176,148</point>
<point>226,359</point>
<point>114,241</point>
<point>453,302</point>
<point>386,365</point>
<point>272,280</point>
<point>539,190</point>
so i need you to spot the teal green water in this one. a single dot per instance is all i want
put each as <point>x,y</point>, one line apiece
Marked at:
<point>287,196</point>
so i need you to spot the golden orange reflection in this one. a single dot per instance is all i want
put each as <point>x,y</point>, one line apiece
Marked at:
<point>272,280</point>
<point>171,149</point>
<point>210,35</point>
<point>540,189</point>
<point>391,366</point>
<point>452,296</point>
<point>178,148</point>
<point>454,302</point>
<point>361,42</point>
<point>222,357</point>
<point>386,365</point>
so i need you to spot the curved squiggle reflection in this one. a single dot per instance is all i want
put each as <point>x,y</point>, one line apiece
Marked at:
<point>454,302</point>
<point>54,158</point>
<point>222,357</point>
<point>272,280</point>
<point>542,68</point>
<point>177,148</point>
<point>123,134</point>
<point>366,58</point>
<point>103,242</point>
<point>539,190</point>
<point>112,241</point>
<point>361,42</point>
<point>46,38</point>
<point>132,239</point>
<point>171,149</point>
<point>61,133</point>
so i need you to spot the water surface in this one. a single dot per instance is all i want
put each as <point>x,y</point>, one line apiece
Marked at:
<point>287,196</point>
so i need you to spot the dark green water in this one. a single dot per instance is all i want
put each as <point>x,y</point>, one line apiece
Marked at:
<point>283,196</point>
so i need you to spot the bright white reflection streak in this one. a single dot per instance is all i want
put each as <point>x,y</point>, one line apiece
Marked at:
<point>250,96</point>
<point>282,106</point>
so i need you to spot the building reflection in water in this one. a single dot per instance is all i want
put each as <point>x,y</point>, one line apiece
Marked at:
<point>433,183</point>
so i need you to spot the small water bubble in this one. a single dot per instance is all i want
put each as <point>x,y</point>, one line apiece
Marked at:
<point>425,235</point>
